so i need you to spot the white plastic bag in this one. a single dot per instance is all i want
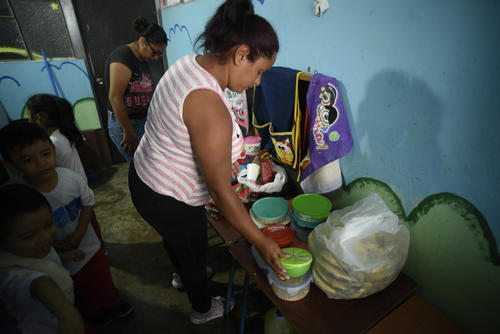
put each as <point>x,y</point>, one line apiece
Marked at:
<point>271,187</point>
<point>359,250</point>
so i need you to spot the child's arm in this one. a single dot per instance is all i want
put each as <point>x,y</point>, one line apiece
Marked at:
<point>83,223</point>
<point>74,255</point>
<point>49,294</point>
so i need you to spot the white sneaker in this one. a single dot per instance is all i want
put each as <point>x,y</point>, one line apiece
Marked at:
<point>177,281</point>
<point>216,311</point>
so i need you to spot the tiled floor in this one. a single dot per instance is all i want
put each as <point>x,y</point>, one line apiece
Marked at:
<point>142,271</point>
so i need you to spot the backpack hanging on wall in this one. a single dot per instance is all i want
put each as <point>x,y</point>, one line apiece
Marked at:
<point>276,115</point>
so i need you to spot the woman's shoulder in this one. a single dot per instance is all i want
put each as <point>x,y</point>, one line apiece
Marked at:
<point>121,54</point>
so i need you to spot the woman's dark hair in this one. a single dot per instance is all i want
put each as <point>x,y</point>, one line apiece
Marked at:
<point>59,114</point>
<point>15,200</point>
<point>150,30</point>
<point>235,23</point>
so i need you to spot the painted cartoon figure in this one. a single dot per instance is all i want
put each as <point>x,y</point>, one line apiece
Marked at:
<point>326,114</point>
<point>283,150</point>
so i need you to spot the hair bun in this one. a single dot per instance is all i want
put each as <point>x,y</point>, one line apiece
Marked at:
<point>236,10</point>
<point>140,24</point>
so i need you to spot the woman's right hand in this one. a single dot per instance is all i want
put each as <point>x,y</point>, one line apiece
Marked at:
<point>129,141</point>
<point>271,252</point>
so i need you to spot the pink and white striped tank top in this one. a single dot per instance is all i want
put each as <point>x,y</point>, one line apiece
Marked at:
<point>164,159</point>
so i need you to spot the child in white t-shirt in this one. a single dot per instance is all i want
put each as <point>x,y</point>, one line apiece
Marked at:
<point>36,289</point>
<point>27,148</point>
<point>56,116</point>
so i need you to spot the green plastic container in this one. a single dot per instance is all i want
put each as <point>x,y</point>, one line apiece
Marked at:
<point>270,210</point>
<point>298,263</point>
<point>311,207</point>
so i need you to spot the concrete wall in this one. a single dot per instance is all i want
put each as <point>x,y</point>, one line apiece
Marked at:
<point>21,79</point>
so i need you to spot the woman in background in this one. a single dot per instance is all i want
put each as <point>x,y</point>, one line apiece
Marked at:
<point>191,144</point>
<point>129,86</point>
<point>56,115</point>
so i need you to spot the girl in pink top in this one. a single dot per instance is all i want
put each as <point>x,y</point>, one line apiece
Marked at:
<point>191,143</point>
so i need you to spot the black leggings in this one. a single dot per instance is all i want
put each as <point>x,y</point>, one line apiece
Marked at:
<point>184,231</point>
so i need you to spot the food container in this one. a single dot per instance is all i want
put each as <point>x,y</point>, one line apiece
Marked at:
<point>290,290</point>
<point>302,233</point>
<point>261,226</point>
<point>282,234</point>
<point>252,145</point>
<point>260,261</point>
<point>298,263</point>
<point>311,207</point>
<point>304,223</point>
<point>270,210</point>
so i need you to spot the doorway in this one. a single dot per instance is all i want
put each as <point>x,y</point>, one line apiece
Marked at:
<point>103,26</point>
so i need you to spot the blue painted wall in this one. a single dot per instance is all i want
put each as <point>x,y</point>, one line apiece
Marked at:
<point>22,79</point>
<point>420,82</point>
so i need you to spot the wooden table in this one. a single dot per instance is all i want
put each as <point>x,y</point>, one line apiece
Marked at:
<point>318,314</point>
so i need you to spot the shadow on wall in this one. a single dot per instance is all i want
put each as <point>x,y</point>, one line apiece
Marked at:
<point>453,255</point>
<point>396,133</point>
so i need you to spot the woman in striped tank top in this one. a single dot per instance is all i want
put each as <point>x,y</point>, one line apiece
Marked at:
<point>191,143</point>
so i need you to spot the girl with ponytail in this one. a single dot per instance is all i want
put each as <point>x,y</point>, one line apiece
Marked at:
<point>55,114</point>
<point>191,144</point>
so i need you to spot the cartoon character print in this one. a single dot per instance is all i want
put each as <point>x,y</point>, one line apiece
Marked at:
<point>326,115</point>
<point>283,150</point>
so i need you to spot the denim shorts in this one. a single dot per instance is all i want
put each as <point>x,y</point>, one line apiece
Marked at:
<point>116,132</point>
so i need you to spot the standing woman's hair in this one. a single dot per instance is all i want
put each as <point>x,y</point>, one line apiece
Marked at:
<point>235,23</point>
<point>59,114</point>
<point>151,31</point>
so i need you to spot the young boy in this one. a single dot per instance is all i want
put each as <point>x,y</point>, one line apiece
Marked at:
<point>27,148</point>
<point>35,287</point>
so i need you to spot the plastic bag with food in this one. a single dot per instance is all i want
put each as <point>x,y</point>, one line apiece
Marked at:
<point>359,250</point>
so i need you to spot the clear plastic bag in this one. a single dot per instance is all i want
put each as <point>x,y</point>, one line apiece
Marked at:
<point>359,250</point>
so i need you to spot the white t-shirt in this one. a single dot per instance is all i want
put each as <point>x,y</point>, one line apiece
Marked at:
<point>67,199</point>
<point>31,315</point>
<point>66,154</point>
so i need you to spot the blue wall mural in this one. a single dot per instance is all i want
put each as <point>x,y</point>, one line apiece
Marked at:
<point>22,79</point>
<point>420,82</point>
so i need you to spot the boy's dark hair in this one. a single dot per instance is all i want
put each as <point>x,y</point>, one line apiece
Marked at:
<point>151,31</point>
<point>18,199</point>
<point>19,134</point>
<point>235,23</point>
<point>60,115</point>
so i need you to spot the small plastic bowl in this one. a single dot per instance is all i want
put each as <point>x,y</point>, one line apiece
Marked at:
<point>304,223</point>
<point>302,233</point>
<point>291,292</point>
<point>270,210</point>
<point>311,206</point>
<point>282,234</point>
<point>298,263</point>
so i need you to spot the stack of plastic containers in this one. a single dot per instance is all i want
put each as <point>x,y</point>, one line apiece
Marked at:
<point>270,211</point>
<point>308,210</point>
<point>297,266</point>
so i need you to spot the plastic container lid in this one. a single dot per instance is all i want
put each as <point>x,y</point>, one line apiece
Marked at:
<point>298,263</point>
<point>270,208</point>
<point>251,140</point>
<point>314,205</point>
<point>282,234</point>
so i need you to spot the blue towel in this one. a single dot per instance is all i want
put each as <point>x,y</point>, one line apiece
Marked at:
<point>273,107</point>
<point>329,134</point>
